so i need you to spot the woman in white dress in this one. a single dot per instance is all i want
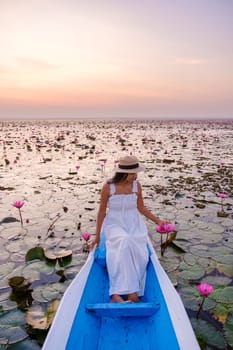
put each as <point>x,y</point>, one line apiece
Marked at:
<point>119,218</point>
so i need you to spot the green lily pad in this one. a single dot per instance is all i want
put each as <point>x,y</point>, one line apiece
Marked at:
<point>169,264</point>
<point>208,263</point>
<point>11,335</point>
<point>189,298</point>
<point>6,268</point>
<point>208,238</point>
<point>190,259</point>
<point>224,259</point>
<point>37,294</point>
<point>18,257</point>
<point>16,272</point>
<point>216,281</point>
<point>15,246</point>
<point>191,272</point>
<point>79,259</point>
<point>49,292</point>
<point>53,291</point>
<point>13,232</point>
<point>40,316</point>
<point>173,278</point>
<point>215,228</point>
<point>223,295</point>
<point>220,312</point>
<point>226,269</point>
<point>27,344</point>
<point>199,250</point>
<point>57,254</point>
<point>12,318</point>
<point>4,283</point>
<point>207,334</point>
<point>197,224</point>
<point>71,271</point>
<point>220,250</point>
<point>19,284</point>
<point>183,243</point>
<point>224,221</point>
<point>209,304</point>
<point>177,247</point>
<point>4,296</point>
<point>6,303</point>
<point>35,253</point>
<point>228,242</point>
<point>35,268</point>
<point>228,330</point>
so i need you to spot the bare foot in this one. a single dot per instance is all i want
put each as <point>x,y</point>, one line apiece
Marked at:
<point>116,299</point>
<point>133,298</point>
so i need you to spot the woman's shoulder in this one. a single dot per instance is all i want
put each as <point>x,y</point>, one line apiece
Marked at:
<point>139,187</point>
<point>106,187</point>
<point>105,191</point>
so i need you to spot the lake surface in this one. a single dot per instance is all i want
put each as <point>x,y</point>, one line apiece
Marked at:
<point>57,168</point>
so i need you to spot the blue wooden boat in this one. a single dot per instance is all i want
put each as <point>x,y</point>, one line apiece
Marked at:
<point>86,320</point>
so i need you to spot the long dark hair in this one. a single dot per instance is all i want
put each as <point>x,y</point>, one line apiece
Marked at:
<point>118,177</point>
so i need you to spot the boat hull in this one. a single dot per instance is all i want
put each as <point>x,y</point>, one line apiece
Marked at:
<point>159,322</point>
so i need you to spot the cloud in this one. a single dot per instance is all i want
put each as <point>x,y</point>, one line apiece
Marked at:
<point>36,64</point>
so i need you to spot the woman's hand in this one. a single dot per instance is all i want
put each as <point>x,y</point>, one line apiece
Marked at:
<point>160,222</point>
<point>95,243</point>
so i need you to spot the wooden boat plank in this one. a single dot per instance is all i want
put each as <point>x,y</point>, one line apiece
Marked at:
<point>122,309</point>
<point>128,333</point>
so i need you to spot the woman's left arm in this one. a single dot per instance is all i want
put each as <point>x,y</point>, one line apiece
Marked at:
<point>144,211</point>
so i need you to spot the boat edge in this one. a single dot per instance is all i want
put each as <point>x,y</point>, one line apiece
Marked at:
<point>72,296</point>
<point>179,317</point>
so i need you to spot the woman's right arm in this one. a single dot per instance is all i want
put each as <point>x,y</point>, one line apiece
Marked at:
<point>101,213</point>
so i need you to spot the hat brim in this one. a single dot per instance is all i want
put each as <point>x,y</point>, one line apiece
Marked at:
<point>129,171</point>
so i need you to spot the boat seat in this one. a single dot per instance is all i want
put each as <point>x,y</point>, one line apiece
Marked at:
<point>123,309</point>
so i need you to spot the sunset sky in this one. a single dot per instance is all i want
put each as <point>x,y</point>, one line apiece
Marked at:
<point>116,58</point>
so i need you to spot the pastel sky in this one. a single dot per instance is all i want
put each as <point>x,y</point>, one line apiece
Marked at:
<point>116,58</point>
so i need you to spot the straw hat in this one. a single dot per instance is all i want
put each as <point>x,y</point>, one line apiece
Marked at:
<point>128,164</point>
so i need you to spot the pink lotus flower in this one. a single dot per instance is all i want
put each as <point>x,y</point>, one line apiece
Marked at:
<point>18,204</point>
<point>86,236</point>
<point>205,289</point>
<point>165,228</point>
<point>222,195</point>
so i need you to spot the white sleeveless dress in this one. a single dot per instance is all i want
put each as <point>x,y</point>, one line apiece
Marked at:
<point>126,243</point>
